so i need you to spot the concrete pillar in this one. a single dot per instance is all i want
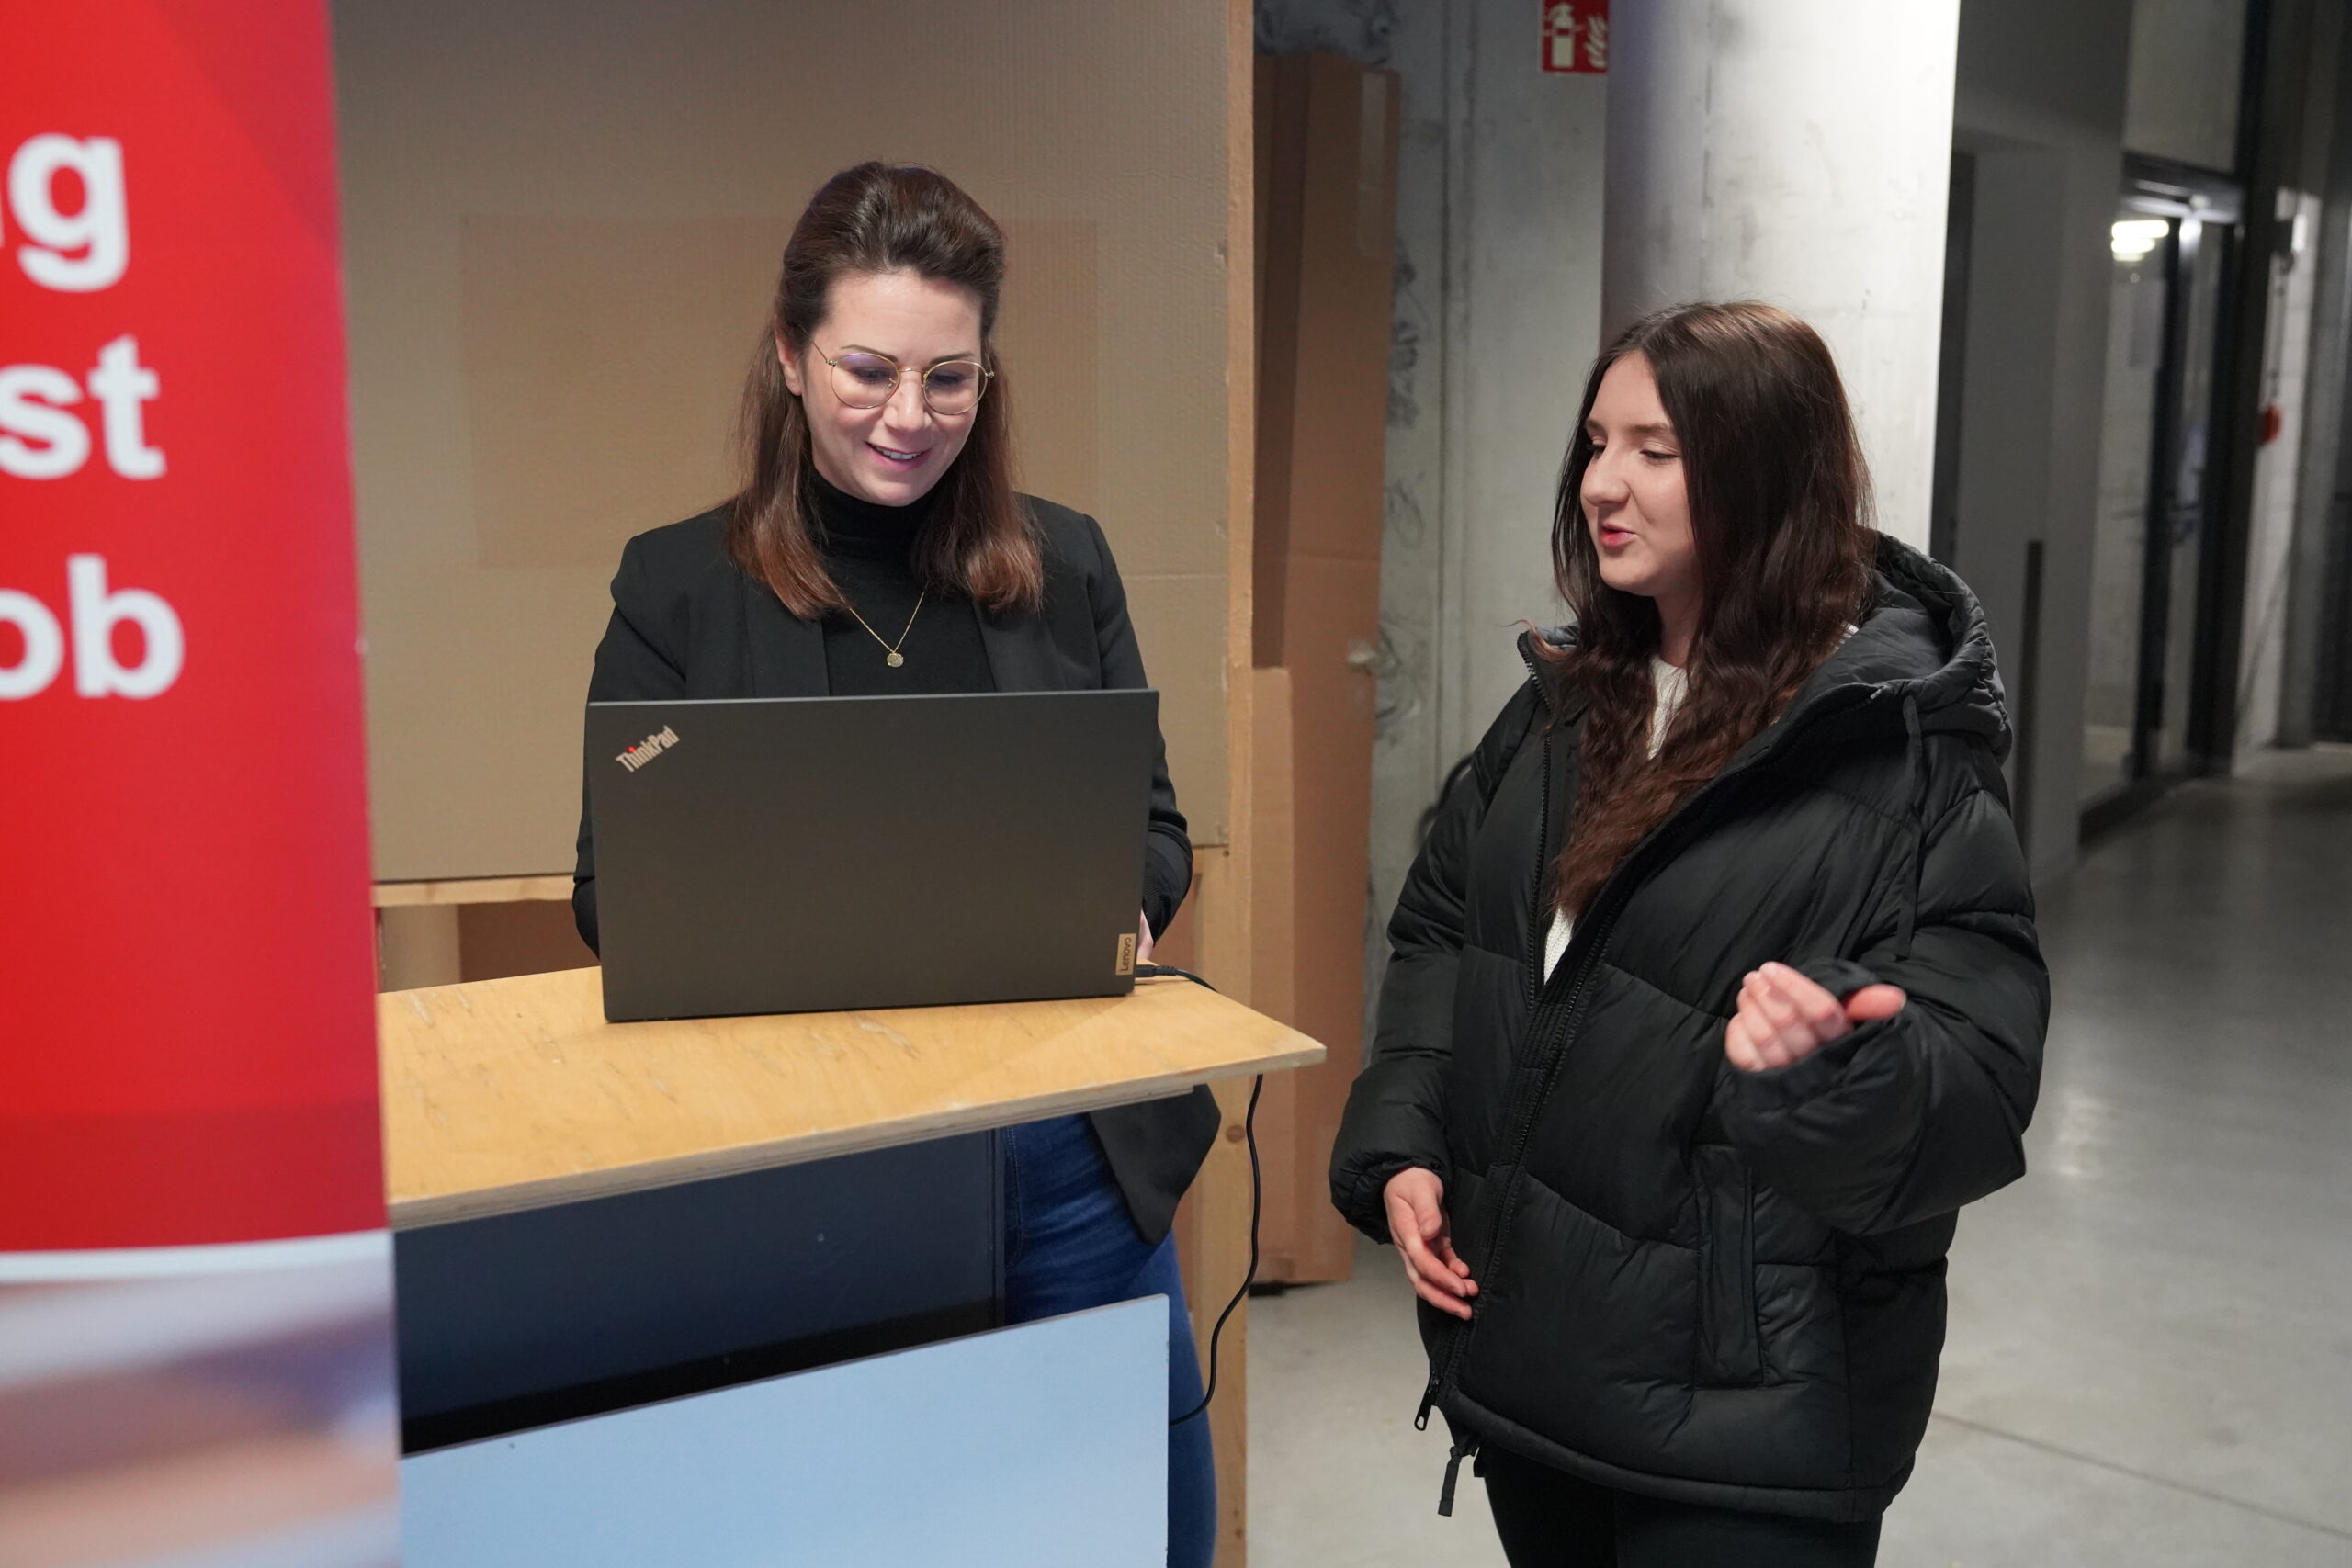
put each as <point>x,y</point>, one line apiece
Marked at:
<point>1796,152</point>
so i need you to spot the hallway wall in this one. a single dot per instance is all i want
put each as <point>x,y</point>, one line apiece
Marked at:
<point>2041,106</point>
<point>2278,475</point>
<point>2184,57</point>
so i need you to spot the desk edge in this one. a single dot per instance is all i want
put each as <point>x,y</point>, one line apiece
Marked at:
<point>416,1213</point>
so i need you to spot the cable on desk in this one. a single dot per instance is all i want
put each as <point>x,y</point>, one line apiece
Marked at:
<point>1257,1193</point>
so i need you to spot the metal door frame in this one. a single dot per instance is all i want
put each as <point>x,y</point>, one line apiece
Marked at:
<point>2179,192</point>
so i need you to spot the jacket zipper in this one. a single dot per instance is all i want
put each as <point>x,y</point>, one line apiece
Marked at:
<point>1618,889</point>
<point>1465,1447</point>
<point>1524,1128</point>
<point>1537,927</point>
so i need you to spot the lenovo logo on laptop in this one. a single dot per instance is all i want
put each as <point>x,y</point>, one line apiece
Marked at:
<point>645,750</point>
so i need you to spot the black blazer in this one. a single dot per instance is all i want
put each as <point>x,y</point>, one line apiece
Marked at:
<point>688,622</point>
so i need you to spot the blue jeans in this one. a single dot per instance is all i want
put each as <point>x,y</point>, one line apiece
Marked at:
<point>1070,1245</point>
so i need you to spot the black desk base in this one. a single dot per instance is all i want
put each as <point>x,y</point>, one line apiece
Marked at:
<point>521,1320</point>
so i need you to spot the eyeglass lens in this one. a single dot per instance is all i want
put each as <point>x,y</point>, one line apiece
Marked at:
<point>867,381</point>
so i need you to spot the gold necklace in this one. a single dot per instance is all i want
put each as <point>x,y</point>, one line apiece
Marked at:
<point>896,657</point>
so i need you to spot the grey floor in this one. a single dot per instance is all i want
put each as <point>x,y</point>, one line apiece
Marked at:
<point>2150,1360</point>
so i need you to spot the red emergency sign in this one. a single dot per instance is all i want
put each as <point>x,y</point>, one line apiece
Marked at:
<point>1575,36</point>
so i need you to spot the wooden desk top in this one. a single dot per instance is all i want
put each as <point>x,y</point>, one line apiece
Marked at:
<point>504,1095</point>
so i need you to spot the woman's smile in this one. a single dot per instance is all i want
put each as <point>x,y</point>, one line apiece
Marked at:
<point>896,460</point>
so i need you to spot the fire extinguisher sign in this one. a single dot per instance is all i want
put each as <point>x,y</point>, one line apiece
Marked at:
<point>1575,36</point>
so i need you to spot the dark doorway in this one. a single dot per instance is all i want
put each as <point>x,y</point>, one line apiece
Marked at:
<point>2174,238</point>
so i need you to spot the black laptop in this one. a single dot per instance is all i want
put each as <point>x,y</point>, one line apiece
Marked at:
<point>800,854</point>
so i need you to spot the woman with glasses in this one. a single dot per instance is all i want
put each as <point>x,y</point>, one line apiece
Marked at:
<point>876,547</point>
<point>1715,993</point>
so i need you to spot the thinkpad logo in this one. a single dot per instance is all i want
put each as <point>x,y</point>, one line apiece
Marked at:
<point>645,750</point>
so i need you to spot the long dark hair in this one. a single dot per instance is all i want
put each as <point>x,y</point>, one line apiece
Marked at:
<point>977,539</point>
<point>1781,514</point>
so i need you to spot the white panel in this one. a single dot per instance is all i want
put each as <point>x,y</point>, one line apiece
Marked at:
<point>1043,1446</point>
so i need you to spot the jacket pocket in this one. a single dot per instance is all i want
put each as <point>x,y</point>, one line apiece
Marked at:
<point>1730,1351</point>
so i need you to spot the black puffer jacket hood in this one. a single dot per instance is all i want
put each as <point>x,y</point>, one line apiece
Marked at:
<point>1698,1282</point>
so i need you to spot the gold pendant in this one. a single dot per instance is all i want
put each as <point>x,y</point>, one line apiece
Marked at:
<point>895,660</point>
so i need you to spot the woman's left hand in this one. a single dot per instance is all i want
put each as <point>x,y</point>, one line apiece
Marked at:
<point>1143,938</point>
<point>1784,1017</point>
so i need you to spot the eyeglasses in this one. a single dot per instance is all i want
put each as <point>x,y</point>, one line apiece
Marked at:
<point>865,380</point>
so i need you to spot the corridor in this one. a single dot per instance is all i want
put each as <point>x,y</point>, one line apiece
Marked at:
<point>2150,1360</point>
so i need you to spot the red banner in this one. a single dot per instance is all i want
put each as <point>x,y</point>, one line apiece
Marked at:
<point>1575,36</point>
<point>187,1026</point>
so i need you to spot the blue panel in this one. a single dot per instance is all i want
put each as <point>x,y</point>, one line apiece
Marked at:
<point>1043,1446</point>
<point>524,1319</point>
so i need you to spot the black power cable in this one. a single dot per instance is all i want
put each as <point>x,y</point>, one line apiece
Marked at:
<point>1257,1193</point>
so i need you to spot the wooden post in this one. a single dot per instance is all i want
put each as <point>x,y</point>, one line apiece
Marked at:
<point>1325,162</point>
<point>1213,1229</point>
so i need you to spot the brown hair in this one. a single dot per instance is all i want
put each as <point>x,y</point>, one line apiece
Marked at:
<point>978,540</point>
<point>1779,513</point>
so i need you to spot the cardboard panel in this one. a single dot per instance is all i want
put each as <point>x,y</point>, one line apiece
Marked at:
<point>1333,445</point>
<point>1279,111</point>
<point>562,215</point>
<point>527,937</point>
<point>1180,622</point>
<point>1326,214</point>
<point>418,944</point>
<point>585,420</point>
<point>1049,346</point>
<point>1287,1167</point>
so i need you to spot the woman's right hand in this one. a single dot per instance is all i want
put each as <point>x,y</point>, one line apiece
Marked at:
<point>1417,1224</point>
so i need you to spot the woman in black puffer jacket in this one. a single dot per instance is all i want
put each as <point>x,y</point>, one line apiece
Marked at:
<point>1715,992</point>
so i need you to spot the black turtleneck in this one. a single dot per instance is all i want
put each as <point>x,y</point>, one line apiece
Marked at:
<point>869,550</point>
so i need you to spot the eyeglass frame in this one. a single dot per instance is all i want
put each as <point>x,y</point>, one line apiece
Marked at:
<point>898,374</point>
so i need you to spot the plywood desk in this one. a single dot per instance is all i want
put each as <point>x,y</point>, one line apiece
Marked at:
<point>595,1214</point>
<point>506,1095</point>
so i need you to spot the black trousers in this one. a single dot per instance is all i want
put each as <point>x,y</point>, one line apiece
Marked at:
<point>1549,1519</point>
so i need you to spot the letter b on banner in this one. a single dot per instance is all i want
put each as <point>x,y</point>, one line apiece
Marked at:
<point>191,1187</point>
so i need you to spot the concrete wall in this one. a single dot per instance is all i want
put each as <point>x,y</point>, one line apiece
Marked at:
<point>2135,352</point>
<point>2327,167</point>
<point>2185,62</point>
<point>1795,152</point>
<point>1498,301</point>
<point>2277,478</point>
<point>2040,106</point>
